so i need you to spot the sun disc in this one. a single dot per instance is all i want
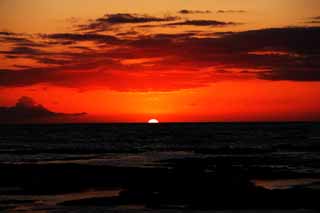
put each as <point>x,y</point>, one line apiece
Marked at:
<point>153,121</point>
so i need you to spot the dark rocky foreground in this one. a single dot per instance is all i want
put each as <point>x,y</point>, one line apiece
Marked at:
<point>197,184</point>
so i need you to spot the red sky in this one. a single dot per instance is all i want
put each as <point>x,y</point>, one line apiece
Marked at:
<point>128,61</point>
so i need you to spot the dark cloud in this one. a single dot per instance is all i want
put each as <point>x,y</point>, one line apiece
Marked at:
<point>314,20</point>
<point>180,59</point>
<point>109,20</point>
<point>33,53</point>
<point>292,74</point>
<point>19,40</point>
<point>303,40</point>
<point>231,11</point>
<point>6,33</point>
<point>27,110</point>
<point>23,51</point>
<point>128,33</point>
<point>16,40</point>
<point>124,18</point>
<point>22,66</point>
<point>76,37</point>
<point>280,52</point>
<point>220,34</point>
<point>46,60</point>
<point>30,76</point>
<point>185,11</point>
<point>202,23</point>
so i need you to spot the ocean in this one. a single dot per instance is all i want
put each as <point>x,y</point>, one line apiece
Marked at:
<point>167,167</point>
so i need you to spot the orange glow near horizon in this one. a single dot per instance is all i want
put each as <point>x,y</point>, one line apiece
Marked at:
<point>225,101</point>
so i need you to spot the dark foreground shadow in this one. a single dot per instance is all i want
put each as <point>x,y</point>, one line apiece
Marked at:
<point>184,184</point>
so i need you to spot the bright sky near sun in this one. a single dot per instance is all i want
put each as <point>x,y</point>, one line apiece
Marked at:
<point>175,60</point>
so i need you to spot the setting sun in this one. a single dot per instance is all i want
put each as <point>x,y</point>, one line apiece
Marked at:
<point>153,121</point>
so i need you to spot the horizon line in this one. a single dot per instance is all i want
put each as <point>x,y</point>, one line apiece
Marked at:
<point>160,123</point>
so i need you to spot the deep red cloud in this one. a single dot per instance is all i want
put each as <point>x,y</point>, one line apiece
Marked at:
<point>161,62</point>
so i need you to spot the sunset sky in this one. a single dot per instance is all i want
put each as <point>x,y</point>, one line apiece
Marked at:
<point>174,60</point>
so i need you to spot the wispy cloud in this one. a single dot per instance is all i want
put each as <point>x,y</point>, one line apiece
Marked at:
<point>185,11</point>
<point>76,37</point>
<point>231,11</point>
<point>202,23</point>
<point>314,20</point>
<point>109,20</point>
